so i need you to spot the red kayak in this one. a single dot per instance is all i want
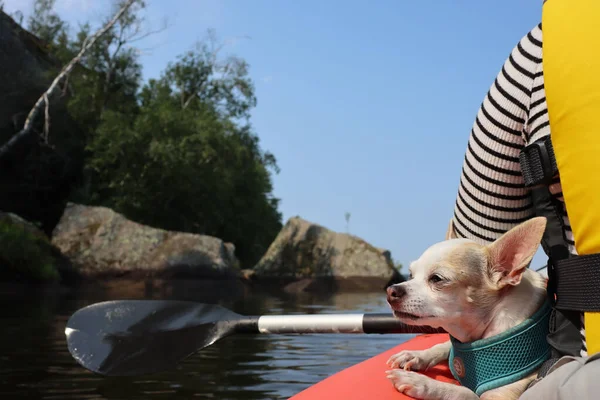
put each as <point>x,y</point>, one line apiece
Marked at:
<point>366,380</point>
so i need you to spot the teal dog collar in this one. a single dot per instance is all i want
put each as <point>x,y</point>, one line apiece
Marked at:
<point>489,363</point>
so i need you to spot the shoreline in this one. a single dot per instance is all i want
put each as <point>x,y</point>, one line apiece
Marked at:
<point>148,285</point>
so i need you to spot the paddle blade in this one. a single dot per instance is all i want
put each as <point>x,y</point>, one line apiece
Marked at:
<point>124,338</point>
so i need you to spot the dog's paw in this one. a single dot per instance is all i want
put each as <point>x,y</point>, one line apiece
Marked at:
<point>411,383</point>
<point>422,387</point>
<point>409,360</point>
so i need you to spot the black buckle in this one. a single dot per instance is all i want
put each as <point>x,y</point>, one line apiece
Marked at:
<point>543,151</point>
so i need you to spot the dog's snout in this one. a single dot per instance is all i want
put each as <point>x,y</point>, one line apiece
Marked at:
<point>396,292</point>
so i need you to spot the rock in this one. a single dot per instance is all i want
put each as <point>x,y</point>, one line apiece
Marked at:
<point>26,253</point>
<point>36,178</point>
<point>102,242</point>
<point>304,251</point>
<point>24,74</point>
<point>14,219</point>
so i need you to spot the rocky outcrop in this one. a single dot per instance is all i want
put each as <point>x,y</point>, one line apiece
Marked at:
<point>37,177</point>
<point>25,70</point>
<point>26,253</point>
<point>11,219</point>
<point>101,242</point>
<point>308,254</point>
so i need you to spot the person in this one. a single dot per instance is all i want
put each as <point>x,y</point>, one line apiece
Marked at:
<point>493,197</point>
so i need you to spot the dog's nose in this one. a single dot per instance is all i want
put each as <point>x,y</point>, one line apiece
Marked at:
<point>396,292</point>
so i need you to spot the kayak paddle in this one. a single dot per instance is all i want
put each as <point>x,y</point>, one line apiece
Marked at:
<point>135,337</point>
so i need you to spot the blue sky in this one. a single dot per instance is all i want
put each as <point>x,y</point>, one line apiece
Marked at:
<point>367,105</point>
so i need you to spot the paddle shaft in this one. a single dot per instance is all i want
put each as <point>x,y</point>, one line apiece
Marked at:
<point>328,323</point>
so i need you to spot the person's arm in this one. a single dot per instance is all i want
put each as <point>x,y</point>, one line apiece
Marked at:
<point>491,196</point>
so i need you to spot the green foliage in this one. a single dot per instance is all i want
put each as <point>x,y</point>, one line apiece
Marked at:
<point>25,254</point>
<point>108,76</point>
<point>183,164</point>
<point>198,76</point>
<point>177,152</point>
<point>44,22</point>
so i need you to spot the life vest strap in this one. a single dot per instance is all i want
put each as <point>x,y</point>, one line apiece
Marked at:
<point>578,280</point>
<point>539,167</point>
<point>538,163</point>
<point>573,279</point>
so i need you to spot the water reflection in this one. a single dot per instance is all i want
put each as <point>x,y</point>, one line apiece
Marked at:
<point>35,363</point>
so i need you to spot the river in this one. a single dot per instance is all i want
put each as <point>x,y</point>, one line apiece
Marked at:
<point>35,362</point>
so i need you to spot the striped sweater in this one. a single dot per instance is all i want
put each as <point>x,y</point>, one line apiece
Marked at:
<point>492,197</point>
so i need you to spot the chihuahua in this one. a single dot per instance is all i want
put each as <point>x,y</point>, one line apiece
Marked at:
<point>473,292</point>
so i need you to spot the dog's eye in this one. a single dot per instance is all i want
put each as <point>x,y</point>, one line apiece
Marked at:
<point>435,278</point>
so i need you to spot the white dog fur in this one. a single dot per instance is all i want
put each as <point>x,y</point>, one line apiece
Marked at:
<point>473,292</point>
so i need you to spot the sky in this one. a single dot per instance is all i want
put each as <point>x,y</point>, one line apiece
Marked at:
<point>367,105</point>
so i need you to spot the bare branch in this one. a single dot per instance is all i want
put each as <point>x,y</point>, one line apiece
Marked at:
<point>146,51</point>
<point>39,105</point>
<point>130,29</point>
<point>187,102</point>
<point>133,38</point>
<point>47,118</point>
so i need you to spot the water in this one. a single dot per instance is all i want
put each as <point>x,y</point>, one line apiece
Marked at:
<point>35,362</point>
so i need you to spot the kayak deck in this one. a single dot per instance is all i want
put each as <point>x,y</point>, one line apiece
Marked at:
<point>367,380</point>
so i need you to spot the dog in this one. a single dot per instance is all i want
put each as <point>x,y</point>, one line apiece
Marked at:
<point>473,292</point>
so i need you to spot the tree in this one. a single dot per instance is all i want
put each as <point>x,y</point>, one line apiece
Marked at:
<point>108,78</point>
<point>44,100</point>
<point>189,160</point>
<point>201,76</point>
<point>45,23</point>
<point>176,153</point>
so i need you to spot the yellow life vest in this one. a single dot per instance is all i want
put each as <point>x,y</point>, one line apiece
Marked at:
<point>571,57</point>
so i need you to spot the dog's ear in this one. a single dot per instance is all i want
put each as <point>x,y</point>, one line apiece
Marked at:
<point>450,232</point>
<point>510,254</point>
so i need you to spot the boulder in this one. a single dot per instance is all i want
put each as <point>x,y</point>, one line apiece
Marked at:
<point>101,242</point>
<point>26,253</point>
<point>36,177</point>
<point>25,72</point>
<point>14,220</point>
<point>306,252</point>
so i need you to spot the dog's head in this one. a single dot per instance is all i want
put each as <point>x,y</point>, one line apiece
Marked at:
<point>461,280</point>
